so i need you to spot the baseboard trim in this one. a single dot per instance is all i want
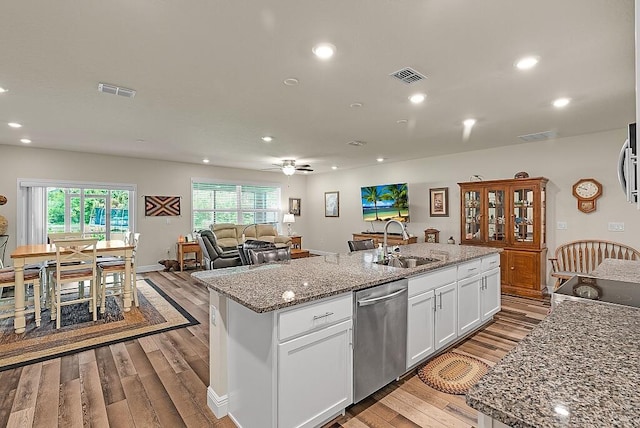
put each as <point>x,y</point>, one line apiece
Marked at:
<point>218,405</point>
<point>149,268</point>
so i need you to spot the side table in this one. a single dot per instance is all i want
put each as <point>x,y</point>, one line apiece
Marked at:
<point>188,247</point>
<point>296,242</point>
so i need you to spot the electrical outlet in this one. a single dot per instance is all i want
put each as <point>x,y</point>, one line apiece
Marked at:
<point>562,225</point>
<point>616,227</point>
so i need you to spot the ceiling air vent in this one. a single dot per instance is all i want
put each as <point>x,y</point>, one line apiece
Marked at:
<point>356,143</point>
<point>408,75</point>
<point>538,136</point>
<point>116,90</point>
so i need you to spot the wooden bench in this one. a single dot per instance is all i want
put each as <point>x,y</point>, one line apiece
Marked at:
<point>584,256</point>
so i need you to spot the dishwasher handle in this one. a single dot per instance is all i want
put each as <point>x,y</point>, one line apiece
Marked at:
<point>366,302</point>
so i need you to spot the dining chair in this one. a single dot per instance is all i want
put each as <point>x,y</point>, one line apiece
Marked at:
<point>75,262</point>
<point>117,268</point>
<point>7,285</point>
<point>55,236</point>
<point>3,247</point>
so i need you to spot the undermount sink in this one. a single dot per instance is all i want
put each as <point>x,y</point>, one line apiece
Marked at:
<point>404,261</point>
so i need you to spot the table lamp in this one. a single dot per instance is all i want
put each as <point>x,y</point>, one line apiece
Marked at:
<point>289,218</point>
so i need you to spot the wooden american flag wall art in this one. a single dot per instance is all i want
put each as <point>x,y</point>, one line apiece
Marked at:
<point>155,206</point>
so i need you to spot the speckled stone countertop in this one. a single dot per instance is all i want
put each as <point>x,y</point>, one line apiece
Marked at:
<point>621,270</point>
<point>262,288</point>
<point>578,368</point>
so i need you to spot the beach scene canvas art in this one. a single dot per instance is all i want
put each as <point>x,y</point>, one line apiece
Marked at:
<point>385,202</point>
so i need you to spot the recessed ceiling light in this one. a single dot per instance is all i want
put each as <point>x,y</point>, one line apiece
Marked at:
<point>355,105</point>
<point>291,81</point>
<point>3,90</point>
<point>469,123</point>
<point>334,167</point>
<point>267,139</point>
<point>527,62</point>
<point>14,125</point>
<point>205,160</point>
<point>324,50</point>
<point>140,140</point>
<point>417,98</point>
<point>25,140</point>
<point>402,121</point>
<point>561,102</point>
<point>380,159</point>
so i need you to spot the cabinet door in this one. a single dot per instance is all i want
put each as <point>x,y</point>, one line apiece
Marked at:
<point>523,269</point>
<point>420,328</point>
<point>446,300</point>
<point>315,376</point>
<point>490,296</point>
<point>469,316</point>
<point>472,206</point>
<point>525,221</point>
<point>497,215</point>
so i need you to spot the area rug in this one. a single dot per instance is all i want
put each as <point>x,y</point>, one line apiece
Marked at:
<point>452,373</point>
<point>157,313</point>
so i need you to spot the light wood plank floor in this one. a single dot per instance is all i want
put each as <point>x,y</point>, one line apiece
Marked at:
<point>161,380</point>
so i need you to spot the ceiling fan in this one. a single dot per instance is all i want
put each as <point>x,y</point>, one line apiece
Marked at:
<point>289,167</point>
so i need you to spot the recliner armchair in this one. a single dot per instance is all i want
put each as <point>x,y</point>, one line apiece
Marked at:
<point>213,257</point>
<point>253,244</point>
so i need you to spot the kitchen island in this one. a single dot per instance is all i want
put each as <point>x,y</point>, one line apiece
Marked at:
<point>577,368</point>
<point>281,334</point>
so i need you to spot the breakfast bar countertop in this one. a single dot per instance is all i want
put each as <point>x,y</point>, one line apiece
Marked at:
<point>577,368</point>
<point>269,287</point>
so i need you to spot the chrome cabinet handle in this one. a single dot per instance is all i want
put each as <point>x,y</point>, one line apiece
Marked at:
<point>317,317</point>
<point>440,300</point>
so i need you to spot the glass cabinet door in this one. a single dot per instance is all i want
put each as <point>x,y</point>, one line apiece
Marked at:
<point>523,214</point>
<point>496,215</point>
<point>472,215</point>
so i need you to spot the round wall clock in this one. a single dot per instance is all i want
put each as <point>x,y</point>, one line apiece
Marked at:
<point>587,191</point>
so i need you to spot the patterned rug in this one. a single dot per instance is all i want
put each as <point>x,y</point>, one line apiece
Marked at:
<point>157,313</point>
<point>452,373</point>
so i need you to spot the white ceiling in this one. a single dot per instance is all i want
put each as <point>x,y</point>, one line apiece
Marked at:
<point>209,76</point>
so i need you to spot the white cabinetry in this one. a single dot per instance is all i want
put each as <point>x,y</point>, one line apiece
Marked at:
<point>478,292</point>
<point>429,327</point>
<point>290,368</point>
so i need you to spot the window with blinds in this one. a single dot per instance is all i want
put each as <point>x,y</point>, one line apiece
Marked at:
<point>233,203</point>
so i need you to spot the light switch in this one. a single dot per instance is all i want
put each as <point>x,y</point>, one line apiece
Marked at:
<point>616,227</point>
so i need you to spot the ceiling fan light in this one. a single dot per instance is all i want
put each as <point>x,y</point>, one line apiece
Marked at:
<point>288,169</point>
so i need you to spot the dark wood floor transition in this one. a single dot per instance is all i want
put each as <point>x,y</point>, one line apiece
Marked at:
<point>162,380</point>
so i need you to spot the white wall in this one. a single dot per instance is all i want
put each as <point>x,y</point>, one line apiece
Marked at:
<point>151,177</point>
<point>562,161</point>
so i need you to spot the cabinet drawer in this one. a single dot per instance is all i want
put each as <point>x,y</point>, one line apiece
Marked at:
<point>310,317</point>
<point>490,262</point>
<point>431,280</point>
<point>467,269</point>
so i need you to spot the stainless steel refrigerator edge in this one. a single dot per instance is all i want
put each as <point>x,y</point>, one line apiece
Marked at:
<point>380,337</point>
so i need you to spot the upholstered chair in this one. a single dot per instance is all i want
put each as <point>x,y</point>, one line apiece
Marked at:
<point>213,256</point>
<point>258,257</point>
<point>253,244</point>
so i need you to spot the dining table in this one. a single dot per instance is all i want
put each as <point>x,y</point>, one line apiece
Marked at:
<point>39,253</point>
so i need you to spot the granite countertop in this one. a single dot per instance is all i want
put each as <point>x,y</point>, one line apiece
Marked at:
<point>262,288</point>
<point>621,270</point>
<point>577,368</point>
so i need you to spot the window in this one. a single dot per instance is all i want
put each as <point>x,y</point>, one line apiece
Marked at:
<point>233,203</point>
<point>96,209</point>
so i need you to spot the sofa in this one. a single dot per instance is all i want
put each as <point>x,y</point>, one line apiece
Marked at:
<point>229,235</point>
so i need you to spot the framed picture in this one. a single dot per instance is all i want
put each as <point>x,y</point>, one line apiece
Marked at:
<point>294,206</point>
<point>439,202</point>
<point>332,204</point>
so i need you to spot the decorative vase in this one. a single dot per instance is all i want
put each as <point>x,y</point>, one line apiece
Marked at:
<point>3,225</point>
<point>451,240</point>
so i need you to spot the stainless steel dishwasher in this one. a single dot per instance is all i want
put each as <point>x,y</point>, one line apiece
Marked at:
<point>380,337</point>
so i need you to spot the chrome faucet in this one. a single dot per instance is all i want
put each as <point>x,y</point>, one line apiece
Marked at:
<point>405,235</point>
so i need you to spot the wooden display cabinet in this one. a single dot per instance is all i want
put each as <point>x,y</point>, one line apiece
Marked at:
<point>378,238</point>
<point>510,214</point>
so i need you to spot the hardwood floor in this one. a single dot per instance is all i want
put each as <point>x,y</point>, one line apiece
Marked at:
<point>161,380</point>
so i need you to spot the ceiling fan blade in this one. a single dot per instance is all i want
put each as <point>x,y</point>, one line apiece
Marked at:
<point>303,166</point>
<point>304,169</point>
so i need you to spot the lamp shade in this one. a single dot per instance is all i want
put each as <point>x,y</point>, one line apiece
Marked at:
<point>289,218</point>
